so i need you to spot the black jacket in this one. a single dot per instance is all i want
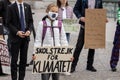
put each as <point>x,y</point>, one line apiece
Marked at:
<point>3,9</point>
<point>81,5</point>
<point>13,21</point>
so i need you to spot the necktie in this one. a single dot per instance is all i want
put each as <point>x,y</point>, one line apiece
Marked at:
<point>22,20</point>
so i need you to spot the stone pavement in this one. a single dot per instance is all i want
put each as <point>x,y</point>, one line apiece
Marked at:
<point>101,63</point>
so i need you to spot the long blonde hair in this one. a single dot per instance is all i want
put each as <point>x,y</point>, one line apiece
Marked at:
<point>50,6</point>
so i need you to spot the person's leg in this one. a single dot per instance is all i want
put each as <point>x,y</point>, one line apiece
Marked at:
<point>90,60</point>
<point>45,76</point>
<point>115,51</point>
<point>79,46</point>
<point>55,76</point>
<point>14,58</point>
<point>23,58</point>
<point>68,37</point>
<point>114,57</point>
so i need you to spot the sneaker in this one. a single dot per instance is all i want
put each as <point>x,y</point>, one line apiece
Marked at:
<point>113,69</point>
<point>67,73</point>
<point>92,69</point>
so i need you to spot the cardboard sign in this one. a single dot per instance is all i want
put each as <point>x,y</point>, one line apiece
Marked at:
<point>70,25</point>
<point>95,22</point>
<point>4,57</point>
<point>52,60</point>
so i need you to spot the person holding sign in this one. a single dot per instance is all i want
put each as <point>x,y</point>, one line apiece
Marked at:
<point>64,12</point>
<point>3,12</point>
<point>20,23</point>
<point>79,11</point>
<point>116,44</point>
<point>50,32</point>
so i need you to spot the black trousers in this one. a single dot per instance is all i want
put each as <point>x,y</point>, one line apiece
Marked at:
<point>19,49</point>
<point>55,76</point>
<point>9,45</point>
<point>79,46</point>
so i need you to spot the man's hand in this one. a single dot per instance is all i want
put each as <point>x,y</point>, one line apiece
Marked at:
<point>82,19</point>
<point>33,57</point>
<point>106,20</point>
<point>72,58</point>
<point>21,34</point>
<point>27,33</point>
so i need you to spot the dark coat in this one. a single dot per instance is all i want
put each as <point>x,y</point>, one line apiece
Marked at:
<point>3,9</point>
<point>81,5</point>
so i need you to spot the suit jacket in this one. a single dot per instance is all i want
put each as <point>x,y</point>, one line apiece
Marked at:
<point>13,21</point>
<point>3,9</point>
<point>69,13</point>
<point>81,5</point>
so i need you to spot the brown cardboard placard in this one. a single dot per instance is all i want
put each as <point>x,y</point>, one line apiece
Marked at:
<point>95,22</point>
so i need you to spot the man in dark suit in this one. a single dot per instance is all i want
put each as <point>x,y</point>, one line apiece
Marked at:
<point>79,11</point>
<point>20,23</point>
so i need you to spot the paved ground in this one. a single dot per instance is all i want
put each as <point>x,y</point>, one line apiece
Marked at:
<point>101,63</point>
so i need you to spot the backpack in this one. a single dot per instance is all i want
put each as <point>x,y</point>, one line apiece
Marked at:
<point>45,29</point>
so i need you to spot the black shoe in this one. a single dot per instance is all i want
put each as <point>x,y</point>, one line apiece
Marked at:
<point>113,69</point>
<point>92,69</point>
<point>72,70</point>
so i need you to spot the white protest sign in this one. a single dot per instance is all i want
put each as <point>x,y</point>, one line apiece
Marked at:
<point>52,59</point>
<point>71,25</point>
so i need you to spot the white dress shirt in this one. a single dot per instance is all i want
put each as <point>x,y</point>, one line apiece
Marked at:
<point>64,13</point>
<point>91,4</point>
<point>18,5</point>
